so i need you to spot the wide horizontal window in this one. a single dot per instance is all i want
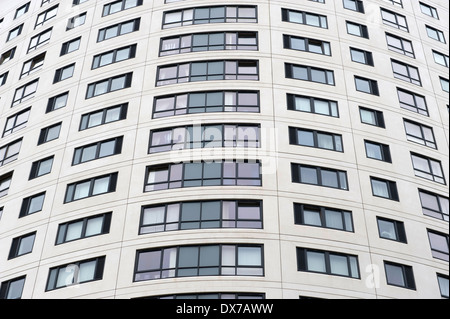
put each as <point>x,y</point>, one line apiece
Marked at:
<point>83,228</point>
<point>97,150</point>
<point>311,104</point>
<point>406,72</point>
<point>118,29</point>
<point>214,173</point>
<point>400,45</point>
<point>306,44</point>
<point>435,34</point>
<point>212,295</point>
<point>12,289</point>
<point>309,73</point>
<point>22,245</point>
<point>91,187</point>
<point>201,215</point>
<point>325,217</point>
<point>17,121</point>
<point>109,85</point>
<point>307,18</point>
<point>320,176</point>
<point>434,205</point>
<point>10,152</point>
<point>412,101</point>
<point>316,139</point>
<point>46,16</point>
<point>391,229</point>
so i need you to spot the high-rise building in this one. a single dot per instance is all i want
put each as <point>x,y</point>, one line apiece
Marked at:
<point>224,149</point>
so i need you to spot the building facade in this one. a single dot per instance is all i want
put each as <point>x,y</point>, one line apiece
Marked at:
<point>247,149</point>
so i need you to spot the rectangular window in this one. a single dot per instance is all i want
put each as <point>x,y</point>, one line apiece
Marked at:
<point>41,167</point>
<point>302,17</point>
<point>32,205</point>
<point>325,217</point>
<point>114,56</point>
<point>443,282</point>
<point>306,44</point>
<point>412,101</point>
<point>70,46</point>
<point>217,173</point>
<point>216,14</point>
<point>308,73</point>
<point>406,72</point>
<point>10,152</point>
<point>3,78</point>
<point>57,102</point>
<point>354,5</point>
<point>311,104</point>
<point>205,136</point>
<point>440,58</point>
<point>428,168</point>
<point>49,133</point>
<point>400,45</point>
<point>25,92</point>
<point>64,73</point>
<point>22,245</point>
<point>117,6</point>
<point>201,260</point>
<point>439,245</point>
<point>76,21</point>
<point>14,33</point>
<point>218,295</point>
<point>212,41</point>
<point>419,133</point>
<point>316,139</point>
<point>39,40</point>
<point>97,150</point>
<point>444,84</point>
<point>8,55</point>
<point>399,275</point>
<point>361,56</point>
<point>12,289</point>
<point>357,29</point>
<point>83,228</point>
<point>327,262</point>
<point>429,10</point>
<point>378,151</point>
<point>206,102</point>
<point>16,122</point>
<point>435,34</point>
<point>434,205</point>
<point>391,229</point>
<point>366,85</point>
<point>118,29</point>
<point>397,3</point>
<point>109,85</point>
<point>371,117</point>
<point>22,10</point>
<point>75,273</point>
<point>320,176</point>
<point>33,65</point>
<point>91,187</point>
<point>394,19</point>
<point>5,182</point>
<point>46,16</point>
<point>77,2</point>
<point>384,188</point>
<point>201,215</point>
<point>103,116</point>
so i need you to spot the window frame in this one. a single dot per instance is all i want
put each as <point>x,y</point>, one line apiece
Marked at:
<point>38,40</point>
<point>43,135</point>
<point>328,74</point>
<point>106,11</point>
<point>372,84</point>
<point>337,139</point>
<point>403,42</point>
<point>385,153</point>
<point>341,176</point>
<point>397,23</point>
<point>398,228</point>
<point>391,188</point>
<point>436,252</point>
<point>36,166</point>
<point>378,117</point>
<point>308,42</point>
<point>85,118</point>
<point>5,287</point>
<point>78,159</point>
<point>322,19</point>
<point>432,164</point>
<point>441,203</point>
<point>102,32</point>
<point>14,127</point>
<point>69,196</point>
<point>406,272</point>
<point>346,217</point>
<point>7,158</point>
<point>58,77</point>
<point>333,107</point>
<point>27,208</point>
<point>429,141</point>
<point>16,245</point>
<point>91,87</point>
<point>131,55</point>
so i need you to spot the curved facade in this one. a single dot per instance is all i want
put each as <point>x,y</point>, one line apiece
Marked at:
<point>245,149</point>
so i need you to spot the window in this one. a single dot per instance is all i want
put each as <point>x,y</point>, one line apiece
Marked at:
<point>41,167</point>
<point>10,152</point>
<point>444,84</point>
<point>77,2</point>
<point>307,18</point>
<point>394,19</point>
<point>384,188</point>
<point>354,5</point>
<point>46,16</point>
<point>117,6</point>
<point>443,285</point>
<point>326,262</point>
<point>33,65</point>
<point>204,136</point>
<point>371,117</point>
<point>109,85</point>
<point>361,56</point>
<point>311,104</point>
<point>5,183</point>
<point>366,85</point>
<point>118,29</point>
<point>306,44</point>
<point>429,10</point>
<point>406,72</point>
<point>25,92</point>
<point>399,275</point>
<point>49,133</point>
<point>208,71</point>
<point>325,217</point>
<point>439,245</point>
<point>45,2</point>
<point>22,245</point>
<point>391,229</point>
<point>3,78</point>
<point>22,10</point>
<point>212,295</point>
<point>440,58</point>
<point>64,73</point>
<point>397,3</point>
<point>97,150</point>
<point>378,151</point>
<point>357,29</point>
<point>57,102</point>
<point>412,101</point>
<point>83,228</point>
<point>8,55</point>
<point>428,168</point>
<point>70,46</point>
<point>321,176</point>
<point>435,34</point>
<point>217,173</point>
<point>39,40</point>
<point>308,73</point>
<point>434,205</point>
<point>12,289</point>
<point>91,187</point>
<point>32,204</point>
<point>201,260</point>
<point>213,41</point>
<point>201,215</point>
<point>400,45</point>
<point>75,273</point>
<point>114,56</point>
<point>419,133</point>
<point>16,122</point>
<point>103,116</point>
<point>76,21</point>
<point>202,15</point>
<point>14,33</point>
<point>316,139</point>
<point>206,102</point>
